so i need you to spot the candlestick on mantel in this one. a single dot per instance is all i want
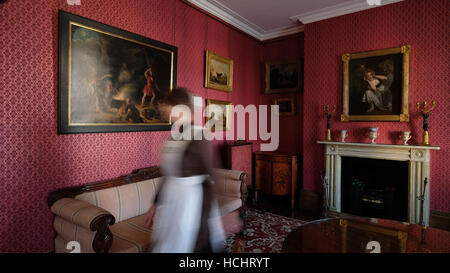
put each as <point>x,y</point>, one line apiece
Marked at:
<point>327,110</point>
<point>425,110</point>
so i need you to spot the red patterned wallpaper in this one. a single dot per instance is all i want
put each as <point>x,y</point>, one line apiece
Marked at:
<point>422,24</point>
<point>291,131</point>
<point>34,158</point>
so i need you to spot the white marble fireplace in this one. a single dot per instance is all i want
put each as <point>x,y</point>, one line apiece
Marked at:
<point>418,158</point>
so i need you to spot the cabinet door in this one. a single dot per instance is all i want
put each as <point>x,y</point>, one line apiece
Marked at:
<point>282,176</point>
<point>263,175</point>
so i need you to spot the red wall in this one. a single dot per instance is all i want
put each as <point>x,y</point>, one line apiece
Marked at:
<point>291,129</point>
<point>422,24</point>
<point>36,160</point>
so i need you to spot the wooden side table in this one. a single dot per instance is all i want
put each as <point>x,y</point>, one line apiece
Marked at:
<point>276,174</point>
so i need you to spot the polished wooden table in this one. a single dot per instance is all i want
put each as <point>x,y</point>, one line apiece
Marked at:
<point>365,235</point>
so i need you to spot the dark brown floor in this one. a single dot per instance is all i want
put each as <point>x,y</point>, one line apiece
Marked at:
<point>280,205</point>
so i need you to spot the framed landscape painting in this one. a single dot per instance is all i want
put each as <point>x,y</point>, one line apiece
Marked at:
<point>220,112</point>
<point>283,76</point>
<point>111,80</point>
<point>218,72</point>
<point>376,85</point>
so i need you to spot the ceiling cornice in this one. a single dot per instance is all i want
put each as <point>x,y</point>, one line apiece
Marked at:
<point>340,9</point>
<point>229,16</point>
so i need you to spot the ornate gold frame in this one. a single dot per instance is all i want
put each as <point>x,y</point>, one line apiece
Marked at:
<point>292,101</point>
<point>228,113</point>
<point>212,85</point>
<point>404,115</point>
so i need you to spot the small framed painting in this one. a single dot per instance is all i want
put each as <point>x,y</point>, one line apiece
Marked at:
<point>218,115</point>
<point>286,106</point>
<point>376,85</point>
<point>219,72</point>
<point>283,76</point>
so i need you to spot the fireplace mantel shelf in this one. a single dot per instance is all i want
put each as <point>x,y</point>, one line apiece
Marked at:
<point>379,145</point>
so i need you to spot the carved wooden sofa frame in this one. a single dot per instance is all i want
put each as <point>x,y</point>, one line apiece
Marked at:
<point>103,239</point>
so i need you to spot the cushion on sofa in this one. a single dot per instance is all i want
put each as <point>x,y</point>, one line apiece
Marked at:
<point>228,204</point>
<point>126,201</point>
<point>130,236</point>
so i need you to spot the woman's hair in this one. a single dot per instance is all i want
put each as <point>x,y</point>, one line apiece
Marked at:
<point>179,96</point>
<point>369,70</point>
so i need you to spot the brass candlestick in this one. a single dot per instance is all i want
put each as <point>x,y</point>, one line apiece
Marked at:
<point>328,111</point>
<point>425,110</point>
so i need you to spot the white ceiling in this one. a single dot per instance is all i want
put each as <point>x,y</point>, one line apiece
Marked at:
<point>267,19</point>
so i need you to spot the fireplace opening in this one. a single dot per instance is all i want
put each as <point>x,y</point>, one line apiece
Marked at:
<point>374,188</point>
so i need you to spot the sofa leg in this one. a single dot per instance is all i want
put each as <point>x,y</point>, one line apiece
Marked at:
<point>239,242</point>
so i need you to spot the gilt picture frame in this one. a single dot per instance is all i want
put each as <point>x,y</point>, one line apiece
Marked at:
<point>220,111</point>
<point>376,85</point>
<point>218,72</point>
<point>283,76</point>
<point>111,80</point>
<point>286,106</point>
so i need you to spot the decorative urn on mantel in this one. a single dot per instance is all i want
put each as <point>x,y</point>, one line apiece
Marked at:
<point>418,158</point>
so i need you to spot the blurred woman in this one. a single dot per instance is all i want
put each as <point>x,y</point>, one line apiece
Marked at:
<point>186,215</point>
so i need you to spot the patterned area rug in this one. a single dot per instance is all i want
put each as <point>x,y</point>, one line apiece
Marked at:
<point>265,232</point>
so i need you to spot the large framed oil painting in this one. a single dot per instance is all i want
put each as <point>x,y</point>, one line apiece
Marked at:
<point>218,72</point>
<point>283,76</point>
<point>376,85</point>
<point>218,115</point>
<point>111,80</point>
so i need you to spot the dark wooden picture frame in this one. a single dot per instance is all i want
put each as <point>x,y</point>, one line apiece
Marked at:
<point>111,80</point>
<point>376,85</point>
<point>284,76</point>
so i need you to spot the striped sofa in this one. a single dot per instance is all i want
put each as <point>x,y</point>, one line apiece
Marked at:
<point>109,216</point>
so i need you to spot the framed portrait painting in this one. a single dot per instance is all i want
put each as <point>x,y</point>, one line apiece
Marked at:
<point>286,106</point>
<point>218,72</point>
<point>111,80</point>
<point>376,85</point>
<point>218,115</point>
<point>283,76</point>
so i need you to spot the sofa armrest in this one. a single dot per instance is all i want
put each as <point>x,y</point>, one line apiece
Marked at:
<point>67,231</point>
<point>81,213</point>
<point>87,216</point>
<point>231,183</point>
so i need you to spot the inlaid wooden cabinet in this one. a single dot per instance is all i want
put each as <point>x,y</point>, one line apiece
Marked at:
<point>276,174</point>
